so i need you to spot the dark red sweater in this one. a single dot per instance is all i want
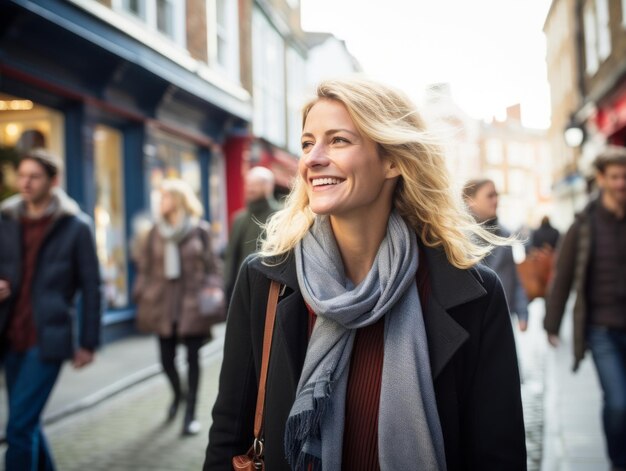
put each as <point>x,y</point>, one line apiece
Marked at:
<point>21,333</point>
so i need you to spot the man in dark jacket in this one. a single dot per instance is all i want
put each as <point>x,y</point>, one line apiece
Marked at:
<point>545,236</point>
<point>592,261</point>
<point>247,224</point>
<point>48,254</point>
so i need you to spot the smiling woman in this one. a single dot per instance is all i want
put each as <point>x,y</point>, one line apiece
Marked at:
<point>392,349</point>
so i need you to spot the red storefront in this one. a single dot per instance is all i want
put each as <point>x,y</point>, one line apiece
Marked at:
<point>610,118</point>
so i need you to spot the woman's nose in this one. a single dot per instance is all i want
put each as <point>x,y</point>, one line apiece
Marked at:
<point>316,156</point>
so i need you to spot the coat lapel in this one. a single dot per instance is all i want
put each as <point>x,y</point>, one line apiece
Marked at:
<point>450,287</point>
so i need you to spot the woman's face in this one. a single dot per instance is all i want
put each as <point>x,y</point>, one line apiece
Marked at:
<point>484,204</point>
<point>168,204</point>
<point>342,170</point>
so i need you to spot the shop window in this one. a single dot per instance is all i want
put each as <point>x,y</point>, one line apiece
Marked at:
<point>25,124</point>
<point>218,212</point>
<point>109,214</point>
<point>169,157</point>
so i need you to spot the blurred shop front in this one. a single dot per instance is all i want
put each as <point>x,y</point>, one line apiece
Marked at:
<point>610,117</point>
<point>244,152</point>
<point>122,116</point>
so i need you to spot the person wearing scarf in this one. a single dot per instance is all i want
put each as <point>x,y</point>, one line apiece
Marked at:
<point>173,263</point>
<point>392,348</point>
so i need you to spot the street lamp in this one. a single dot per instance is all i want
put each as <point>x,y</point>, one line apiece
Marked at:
<point>574,133</point>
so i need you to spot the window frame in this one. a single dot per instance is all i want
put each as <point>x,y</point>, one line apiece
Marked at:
<point>592,61</point>
<point>148,17</point>
<point>228,34</point>
<point>268,80</point>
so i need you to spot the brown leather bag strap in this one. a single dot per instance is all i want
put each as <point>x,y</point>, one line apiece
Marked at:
<point>270,316</point>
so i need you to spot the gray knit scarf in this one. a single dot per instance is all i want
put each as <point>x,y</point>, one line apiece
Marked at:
<point>409,431</point>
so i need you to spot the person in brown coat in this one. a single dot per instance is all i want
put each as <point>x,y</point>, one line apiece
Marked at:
<point>174,265</point>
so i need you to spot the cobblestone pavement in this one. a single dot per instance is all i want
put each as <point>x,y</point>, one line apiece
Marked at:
<point>129,432</point>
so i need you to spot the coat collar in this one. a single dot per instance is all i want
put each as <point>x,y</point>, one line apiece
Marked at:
<point>450,287</point>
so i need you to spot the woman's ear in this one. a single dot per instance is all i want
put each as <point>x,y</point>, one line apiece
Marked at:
<point>391,169</point>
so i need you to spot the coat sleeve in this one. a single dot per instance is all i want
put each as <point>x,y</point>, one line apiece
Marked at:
<point>495,425</point>
<point>88,269</point>
<point>231,433</point>
<point>562,281</point>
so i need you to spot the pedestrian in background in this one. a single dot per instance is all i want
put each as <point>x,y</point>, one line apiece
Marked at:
<point>481,198</point>
<point>592,261</point>
<point>536,270</point>
<point>392,347</point>
<point>174,265</point>
<point>48,254</point>
<point>248,223</point>
<point>545,236</point>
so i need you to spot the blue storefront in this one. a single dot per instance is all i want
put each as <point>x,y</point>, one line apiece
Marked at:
<point>122,115</point>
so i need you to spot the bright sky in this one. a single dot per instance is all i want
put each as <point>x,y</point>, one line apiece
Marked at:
<point>492,52</point>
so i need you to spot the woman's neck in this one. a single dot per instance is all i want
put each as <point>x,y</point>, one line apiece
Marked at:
<point>35,210</point>
<point>358,241</point>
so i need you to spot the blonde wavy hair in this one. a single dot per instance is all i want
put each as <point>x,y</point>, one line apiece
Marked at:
<point>185,196</point>
<point>423,195</point>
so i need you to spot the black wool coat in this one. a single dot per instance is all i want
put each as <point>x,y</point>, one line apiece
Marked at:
<point>472,355</point>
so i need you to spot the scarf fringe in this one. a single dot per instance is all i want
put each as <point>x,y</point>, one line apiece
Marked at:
<point>302,426</point>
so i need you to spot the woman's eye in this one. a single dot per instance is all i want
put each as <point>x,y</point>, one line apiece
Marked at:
<point>340,140</point>
<point>306,145</point>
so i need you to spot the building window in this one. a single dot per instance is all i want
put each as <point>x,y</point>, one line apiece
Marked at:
<point>604,29</point>
<point>223,36</point>
<point>164,16</point>
<point>597,34</point>
<point>519,185</point>
<point>591,54</point>
<point>109,214</point>
<point>295,99</point>
<point>268,68</point>
<point>494,151</point>
<point>136,7</point>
